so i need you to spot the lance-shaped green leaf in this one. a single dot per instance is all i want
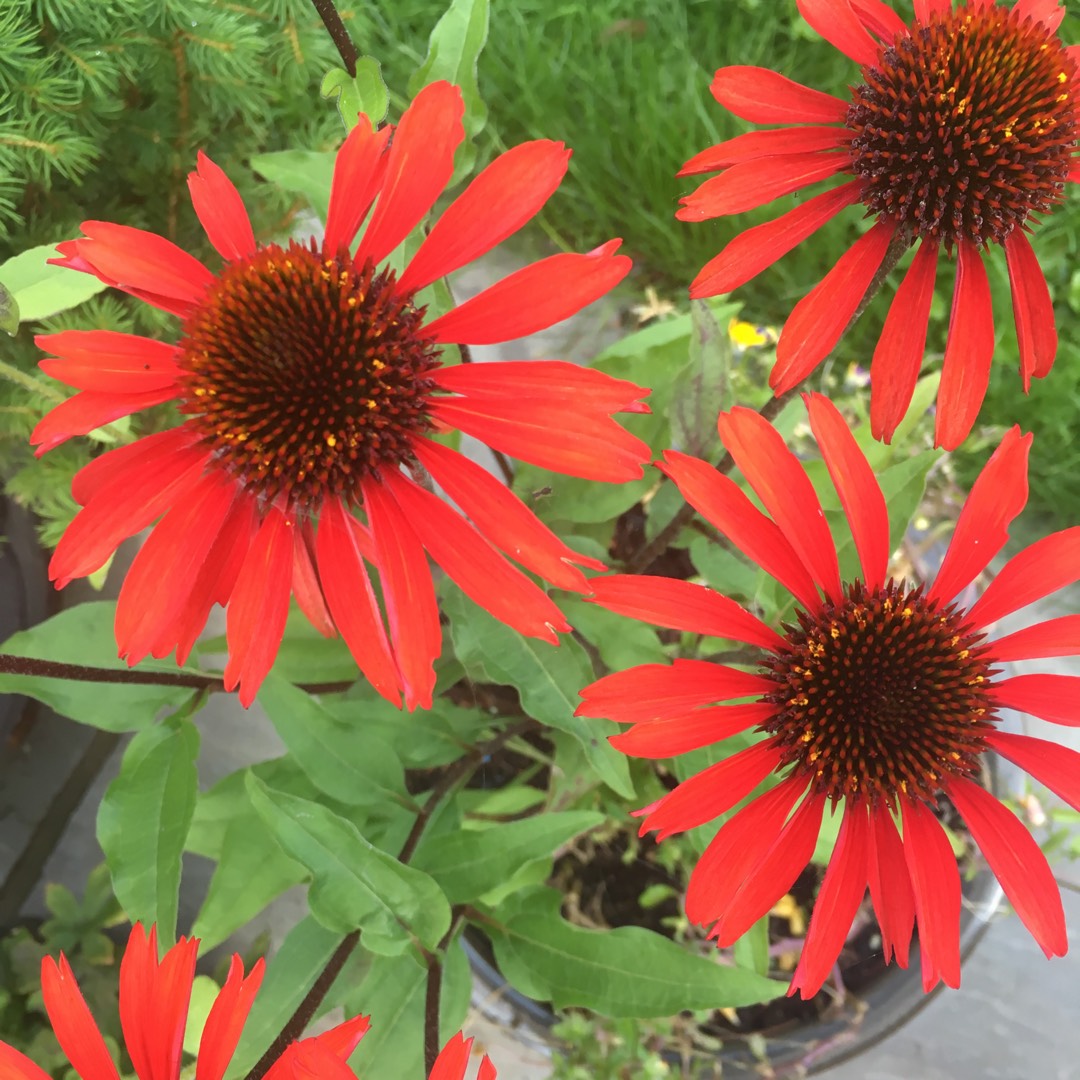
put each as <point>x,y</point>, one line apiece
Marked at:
<point>471,862</point>
<point>305,172</point>
<point>392,993</point>
<point>143,822</point>
<point>289,976</point>
<point>363,93</point>
<point>343,760</point>
<point>354,884</point>
<point>84,635</point>
<point>39,289</point>
<point>453,51</point>
<point>702,388</point>
<point>548,678</point>
<point>625,972</point>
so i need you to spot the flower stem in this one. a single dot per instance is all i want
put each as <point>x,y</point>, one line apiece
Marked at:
<point>55,669</point>
<point>338,34</point>
<point>28,382</point>
<point>645,555</point>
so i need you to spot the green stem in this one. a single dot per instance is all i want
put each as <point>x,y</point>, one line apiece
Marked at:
<point>338,34</point>
<point>28,382</point>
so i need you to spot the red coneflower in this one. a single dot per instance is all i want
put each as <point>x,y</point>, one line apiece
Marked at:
<point>154,998</point>
<point>881,696</point>
<point>309,379</point>
<point>961,132</point>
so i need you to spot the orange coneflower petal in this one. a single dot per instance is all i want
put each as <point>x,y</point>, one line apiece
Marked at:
<point>935,886</point>
<point>453,1059</point>
<point>1040,569</point>
<point>742,842</point>
<point>712,792</point>
<point>1056,637</point>
<point>583,390</point>
<point>751,184</point>
<point>419,165</point>
<point>900,350</point>
<point>781,483</point>
<point>101,471</point>
<point>548,435</point>
<point>755,249</point>
<point>131,498</point>
<point>108,362</point>
<point>305,582</point>
<point>652,691</point>
<point>766,97</point>
<point>999,493</point>
<point>1054,766</point>
<point>17,1066</point>
<point>1054,698</point>
<point>408,593</point>
<point>880,19</point>
<point>359,169</point>
<point>480,571</point>
<point>855,483</point>
<point>838,24</point>
<point>700,727</point>
<point>838,900</point>
<point>969,349</point>
<point>924,9</point>
<point>682,605</point>
<point>818,320</point>
<point>1048,12</point>
<point>158,584</point>
<point>145,264</point>
<point>72,1023</point>
<point>498,201</point>
<point>154,1001</point>
<point>1033,310</point>
<point>213,584</point>
<point>759,144</point>
<point>773,874</point>
<point>1017,862</point>
<point>502,518</point>
<point>533,298</point>
<point>89,410</point>
<point>259,605</point>
<point>226,1020</point>
<point>722,503</point>
<point>352,602</point>
<point>890,888</point>
<point>221,210</point>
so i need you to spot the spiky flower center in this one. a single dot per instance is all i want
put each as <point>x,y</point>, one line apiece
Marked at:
<point>966,127</point>
<point>304,373</point>
<point>882,694</point>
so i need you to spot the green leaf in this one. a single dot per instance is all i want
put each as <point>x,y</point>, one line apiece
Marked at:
<point>392,993</point>
<point>306,172</point>
<point>702,388</point>
<point>143,822</point>
<point>39,290</point>
<point>548,678</point>
<point>204,992</point>
<point>569,498</point>
<point>625,972</point>
<point>289,976</point>
<point>621,642</point>
<point>346,761</point>
<point>252,871</point>
<point>903,485</point>
<point>366,93</point>
<point>84,635</point>
<point>9,311</point>
<point>752,949</point>
<point>354,884</point>
<point>453,51</point>
<point>723,570</point>
<point>470,863</point>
